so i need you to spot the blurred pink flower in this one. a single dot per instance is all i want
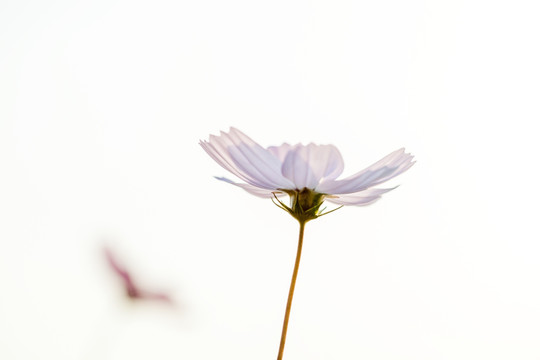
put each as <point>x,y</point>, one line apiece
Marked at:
<point>289,169</point>
<point>132,290</point>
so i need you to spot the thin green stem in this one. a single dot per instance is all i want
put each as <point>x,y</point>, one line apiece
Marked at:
<point>291,290</point>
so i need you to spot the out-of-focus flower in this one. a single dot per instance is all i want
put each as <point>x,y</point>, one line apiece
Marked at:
<point>132,290</point>
<point>307,173</point>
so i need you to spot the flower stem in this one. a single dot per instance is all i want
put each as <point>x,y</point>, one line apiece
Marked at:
<point>291,290</point>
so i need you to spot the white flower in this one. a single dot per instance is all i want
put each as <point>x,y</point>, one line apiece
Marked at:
<point>301,169</point>
<point>308,174</point>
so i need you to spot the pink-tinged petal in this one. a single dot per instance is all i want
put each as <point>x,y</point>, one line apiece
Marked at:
<point>326,162</point>
<point>383,170</point>
<point>361,198</point>
<point>223,158</point>
<point>251,175</point>
<point>307,165</point>
<point>254,159</point>
<point>296,167</point>
<point>280,151</point>
<point>253,190</point>
<point>244,158</point>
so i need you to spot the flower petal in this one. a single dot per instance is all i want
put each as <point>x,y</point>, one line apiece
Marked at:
<point>253,190</point>
<point>297,169</point>
<point>326,162</point>
<point>361,198</point>
<point>280,151</point>
<point>252,157</point>
<point>308,165</point>
<point>381,171</point>
<point>243,157</point>
<point>214,148</point>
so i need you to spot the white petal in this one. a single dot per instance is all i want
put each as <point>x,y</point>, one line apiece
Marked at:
<point>280,151</point>
<point>223,159</point>
<point>383,170</point>
<point>307,165</point>
<point>296,167</point>
<point>246,159</point>
<point>361,198</point>
<point>326,162</point>
<point>255,159</point>
<point>253,190</point>
<point>220,154</point>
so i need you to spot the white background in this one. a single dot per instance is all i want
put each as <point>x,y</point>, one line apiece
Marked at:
<point>102,105</point>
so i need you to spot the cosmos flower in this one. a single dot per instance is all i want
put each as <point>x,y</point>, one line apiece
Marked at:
<point>307,173</point>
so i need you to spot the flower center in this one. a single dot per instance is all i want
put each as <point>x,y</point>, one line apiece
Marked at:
<point>305,204</point>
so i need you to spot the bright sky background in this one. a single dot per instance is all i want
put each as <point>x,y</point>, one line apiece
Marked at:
<point>102,105</point>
